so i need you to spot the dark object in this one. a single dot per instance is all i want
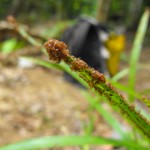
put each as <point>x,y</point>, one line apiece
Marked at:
<point>83,40</point>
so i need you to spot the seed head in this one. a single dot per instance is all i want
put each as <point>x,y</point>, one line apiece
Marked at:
<point>57,50</point>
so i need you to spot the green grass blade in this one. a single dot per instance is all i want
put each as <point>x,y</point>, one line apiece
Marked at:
<point>113,122</point>
<point>107,116</point>
<point>43,63</point>
<point>136,50</point>
<point>119,102</point>
<point>62,66</point>
<point>133,93</point>
<point>29,38</point>
<point>125,89</point>
<point>64,141</point>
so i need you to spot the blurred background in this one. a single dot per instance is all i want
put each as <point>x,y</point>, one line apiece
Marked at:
<point>35,98</point>
<point>126,12</point>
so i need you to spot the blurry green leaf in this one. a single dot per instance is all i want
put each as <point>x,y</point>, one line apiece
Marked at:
<point>19,44</point>
<point>8,46</point>
<point>136,50</point>
<point>61,66</point>
<point>108,117</point>
<point>66,68</point>
<point>64,141</point>
<point>11,45</point>
<point>29,38</point>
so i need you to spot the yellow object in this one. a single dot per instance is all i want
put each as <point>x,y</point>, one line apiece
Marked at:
<point>115,45</point>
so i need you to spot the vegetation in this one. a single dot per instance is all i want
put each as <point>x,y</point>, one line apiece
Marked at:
<point>105,91</point>
<point>99,89</point>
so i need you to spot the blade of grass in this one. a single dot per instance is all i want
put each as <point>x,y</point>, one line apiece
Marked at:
<point>120,75</point>
<point>64,141</point>
<point>126,89</point>
<point>136,50</point>
<point>58,52</point>
<point>107,116</point>
<point>65,67</point>
<point>61,66</point>
<point>29,38</point>
<point>113,122</point>
<point>68,69</point>
<point>43,63</point>
<point>140,97</point>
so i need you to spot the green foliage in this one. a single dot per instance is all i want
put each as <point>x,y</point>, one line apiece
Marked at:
<point>113,122</point>
<point>136,50</point>
<point>3,5</point>
<point>127,140</point>
<point>62,66</point>
<point>48,9</point>
<point>93,101</point>
<point>10,46</point>
<point>63,141</point>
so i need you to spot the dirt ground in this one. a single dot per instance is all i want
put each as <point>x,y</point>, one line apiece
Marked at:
<point>37,102</point>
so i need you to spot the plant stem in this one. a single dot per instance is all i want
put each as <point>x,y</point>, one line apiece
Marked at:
<point>58,51</point>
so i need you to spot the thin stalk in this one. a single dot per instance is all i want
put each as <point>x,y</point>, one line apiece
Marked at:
<point>136,50</point>
<point>29,38</point>
<point>65,141</point>
<point>58,51</point>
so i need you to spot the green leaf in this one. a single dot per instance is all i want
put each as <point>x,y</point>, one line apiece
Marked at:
<point>61,66</point>
<point>112,121</point>
<point>118,101</point>
<point>8,46</point>
<point>64,141</point>
<point>136,50</point>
